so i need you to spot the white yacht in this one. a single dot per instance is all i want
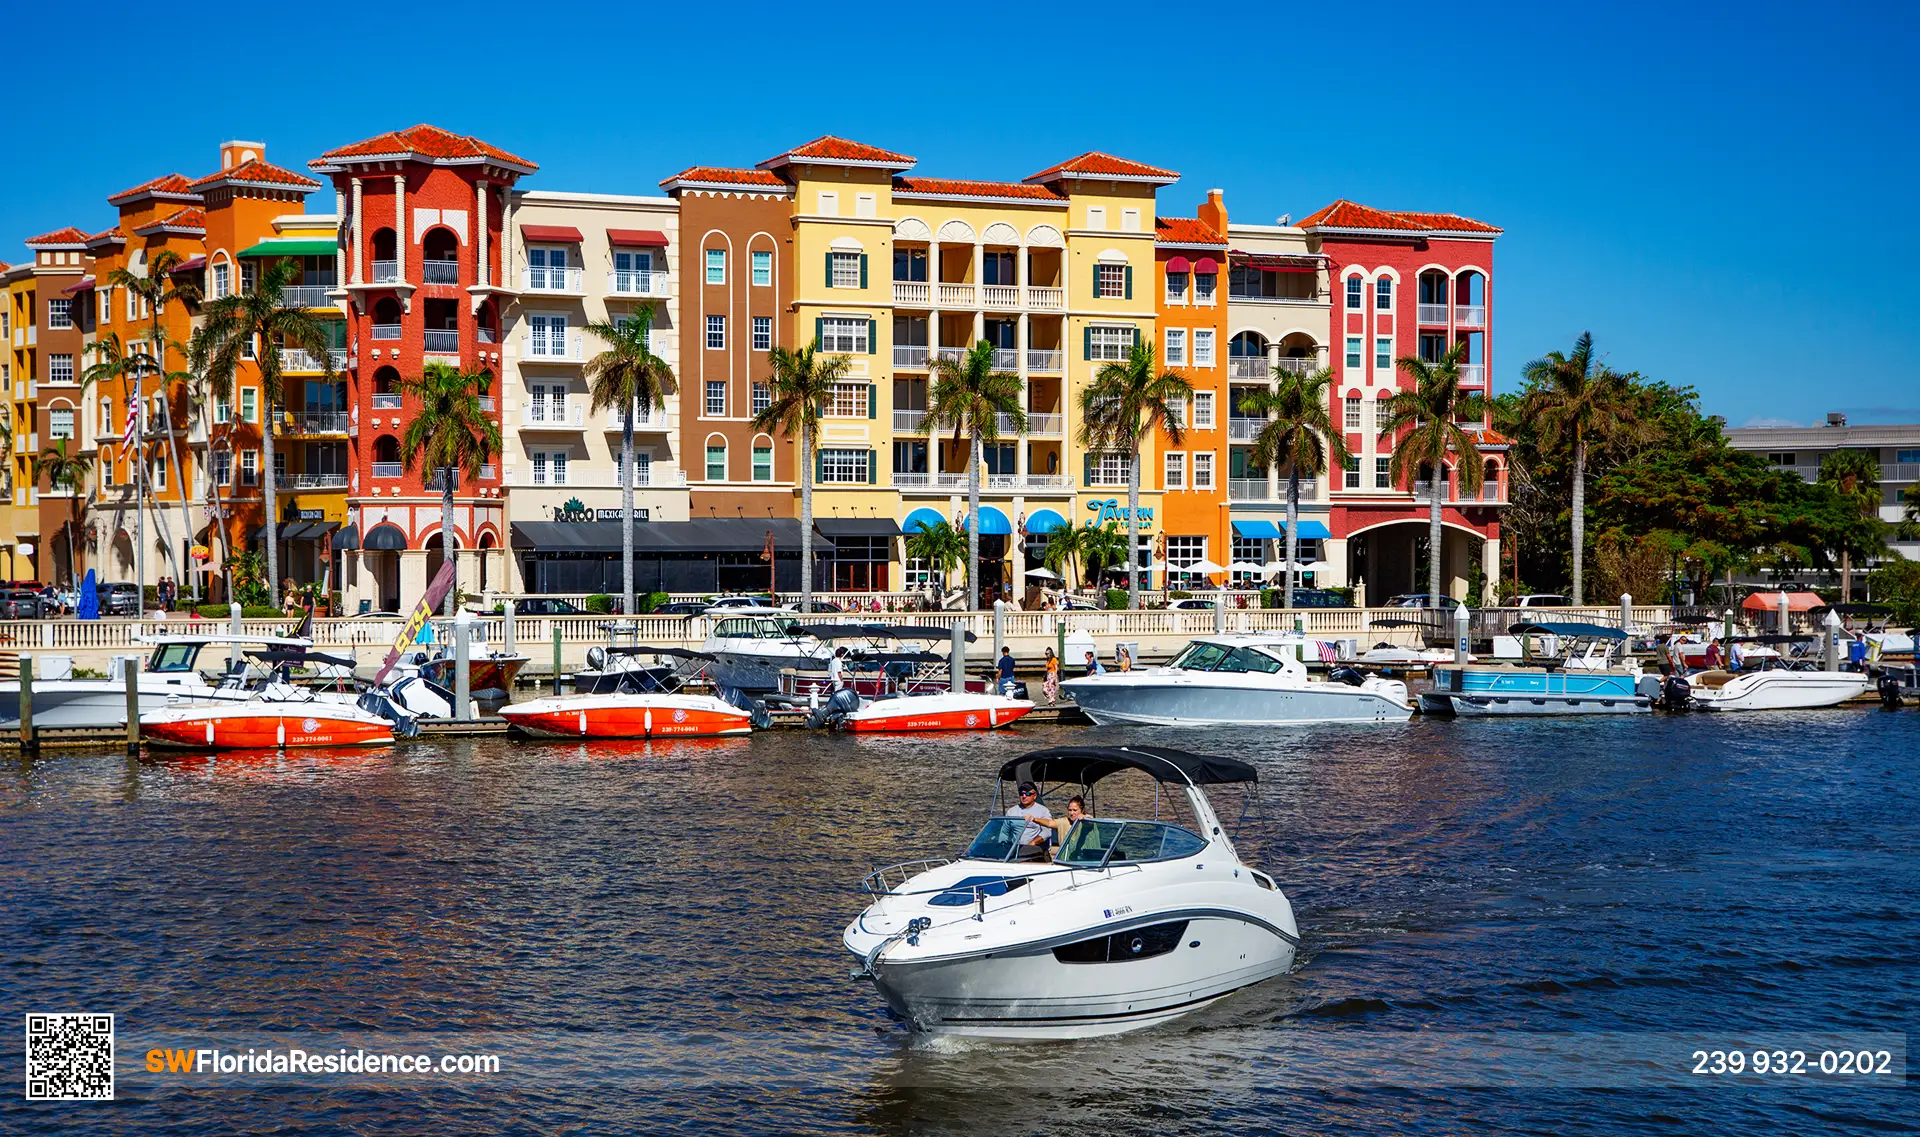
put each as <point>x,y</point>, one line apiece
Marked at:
<point>1132,922</point>
<point>1252,680</point>
<point>171,673</point>
<point>1775,689</point>
<point>751,645</point>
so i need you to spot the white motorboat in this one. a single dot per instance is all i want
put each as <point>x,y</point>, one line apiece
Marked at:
<point>171,673</point>
<point>1132,923</point>
<point>750,646</point>
<point>1252,680</point>
<point>1775,689</point>
<point>1574,674</point>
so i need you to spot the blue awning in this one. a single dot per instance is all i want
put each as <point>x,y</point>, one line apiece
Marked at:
<point>918,518</point>
<point>1044,521</point>
<point>1310,531</point>
<point>992,522</point>
<point>1256,529</point>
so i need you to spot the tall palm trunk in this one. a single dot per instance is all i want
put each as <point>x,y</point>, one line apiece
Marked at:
<point>73,563</point>
<point>173,445</point>
<point>806,524</point>
<point>973,525</point>
<point>1293,528</point>
<point>1433,538</point>
<point>1579,519</point>
<point>626,510</point>
<point>271,497</point>
<point>448,550</point>
<point>1133,530</point>
<point>1846,576</point>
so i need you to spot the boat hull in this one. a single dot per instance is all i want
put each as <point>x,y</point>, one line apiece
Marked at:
<point>1499,691</point>
<point>913,713</point>
<point>101,704</point>
<point>753,671</point>
<point>628,716</point>
<point>485,673</point>
<point>1782,690</point>
<point>1487,706</point>
<point>1173,701</point>
<point>257,727</point>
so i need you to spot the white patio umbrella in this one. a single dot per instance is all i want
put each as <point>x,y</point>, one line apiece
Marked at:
<point>1245,566</point>
<point>1043,573</point>
<point>1273,567</point>
<point>1204,567</point>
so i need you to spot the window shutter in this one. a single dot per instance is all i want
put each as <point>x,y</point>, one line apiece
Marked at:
<point>1086,342</point>
<point>873,326</point>
<point>1096,281</point>
<point>1086,468</point>
<point>863,270</point>
<point>819,466</point>
<point>829,270</point>
<point>873,462</point>
<point>1136,337</point>
<point>873,400</point>
<point>1129,290</point>
<point>819,330</point>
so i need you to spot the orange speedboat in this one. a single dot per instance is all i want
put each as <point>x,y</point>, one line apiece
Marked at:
<point>628,715</point>
<point>265,724</point>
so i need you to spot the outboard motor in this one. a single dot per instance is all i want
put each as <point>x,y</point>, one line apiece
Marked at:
<point>757,714</point>
<point>1678,693</point>
<point>377,702</point>
<point>596,658</point>
<point>1889,687</point>
<point>839,705</point>
<point>1351,676</point>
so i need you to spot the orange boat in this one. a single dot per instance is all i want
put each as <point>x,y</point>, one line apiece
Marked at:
<point>628,715</point>
<point>265,724</point>
<point>947,711</point>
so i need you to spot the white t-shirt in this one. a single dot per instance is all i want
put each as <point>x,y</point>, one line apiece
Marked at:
<point>1036,811</point>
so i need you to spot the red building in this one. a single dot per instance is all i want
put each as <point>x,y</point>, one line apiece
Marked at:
<point>1406,284</point>
<point>424,259</point>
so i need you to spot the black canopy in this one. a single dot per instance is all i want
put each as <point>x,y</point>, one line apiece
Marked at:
<point>1593,631</point>
<point>1397,623</point>
<point>700,536</point>
<point>879,632</point>
<point>1086,765</point>
<point>669,652</point>
<point>856,526</point>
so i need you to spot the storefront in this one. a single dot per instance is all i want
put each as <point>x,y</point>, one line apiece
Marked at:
<point>862,553</point>
<point>698,556</point>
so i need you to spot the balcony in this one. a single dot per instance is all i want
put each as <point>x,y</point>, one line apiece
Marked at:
<point>315,422</point>
<point>1296,365</point>
<point>1000,295</point>
<point>956,295</point>
<point>1242,429</point>
<point>1006,359</point>
<point>436,481</point>
<point>440,272</point>
<point>555,281</point>
<point>947,482</point>
<point>1470,315</point>
<point>635,282</point>
<point>1046,425</point>
<point>387,470</point>
<point>950,354</point>
<point>1473,374</point>
<point>908,422</point>
<point>486,403</point>
<point>389,401</point>
<point>293,359</point>
<point>441,341</point>
<point>486,335</point>
<point>386,332</point>
<point>1433,315</point>
<point>647,419</point>
<point>917,293</point>
<point>1046,299</point>
<point>911,356</point>
<point>542,347</point>
<point>1253,367</point>
<point>306,296</point>
<point>1046,362</point>
<point>310,481</point>
<point>554,416</point>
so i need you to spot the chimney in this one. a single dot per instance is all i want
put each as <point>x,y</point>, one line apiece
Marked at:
<point>1836,418</point>
<point>234,153</point>
<point>1213,213</point>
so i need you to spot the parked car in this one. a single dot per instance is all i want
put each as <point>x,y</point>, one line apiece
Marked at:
<point>682,608</point>
<point>741,602</point>
<point>1420,600</point>
<point>19,604</point>
<point>547,606</point>
<point>1545,600</point>
<point>822,606</point>
<point>118,598</point>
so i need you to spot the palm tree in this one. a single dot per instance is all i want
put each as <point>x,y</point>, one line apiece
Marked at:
<point>940,545</point>
<point>157,290</point>
<point>801,382</point>
<point>1575,398</point>
<point>113,363</point>
<point>1300,432</point>
<point>1066,546</point>
<point>1428,412</point>
<point>621,378</point>
<point>1854,475</point>
<point>970,396</point>
<point>451,435</point>
<point>249,324</point>
<point>1104,547</point>
<point>1127,399</point>
<point>72,471</point>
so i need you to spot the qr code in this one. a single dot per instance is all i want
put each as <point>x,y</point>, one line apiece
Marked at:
<point>70,1057</point>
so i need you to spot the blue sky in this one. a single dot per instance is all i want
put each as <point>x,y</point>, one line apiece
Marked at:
<point>1724,195</point>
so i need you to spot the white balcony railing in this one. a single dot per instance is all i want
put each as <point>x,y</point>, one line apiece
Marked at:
<point>1046,298</point>
<point>913,356</point>
<point>1240,429</point>
<point>310,481</point>
<point>1248,367</point>
<point>1050,362</point>
<point>486,402</point>
<point>636,282</point>
<point>915,292</point>
<point>950,354</point>
<point>647,419</point>
<point>386,331</point>
<point>1006,359</point>
<point>945,482</point>
<point>441,341</point>
<point>388,401</point>
<point>1295,365</point>
<point>959,295</point>
<point>1000,295</point>
<point>1433,315</point>
<point>1046,425</point>
<point>554,416</point>
<point>387,470</point>
<point>440,272</point>
<point>550,348</point>
<point>386,272</point>
<point>1470,315</point>
<point>1473,374</point>
<point>908,422</point>
<point>538,278</point>
<point>306,296</point>
<point>316,422</point>
<point>298,359</point>
<point>486,335</point>
<point>1257,489</point>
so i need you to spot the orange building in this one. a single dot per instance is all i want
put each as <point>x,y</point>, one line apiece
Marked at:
<point>1190,254</point>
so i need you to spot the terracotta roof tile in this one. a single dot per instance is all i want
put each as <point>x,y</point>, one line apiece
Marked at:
<point>828,148</point>
<point>113,234</point>
<point>1186,231</point>
<point>1097,165</point>
<point>952,187</point>
<point>259,173</point>
<point>165,183</point>
<point>427,141</point>
<point>1450,221</point>
<point>192,217</point>
<point>722,175</point>
<point>1344,214</point>
<point>66,236</point>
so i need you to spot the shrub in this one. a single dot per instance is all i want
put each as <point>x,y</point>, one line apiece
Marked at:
<point>1179,594</point>
<point>599,603</point>
<point>263,612</point>
<point>652,601</point>
<point>1116,598</point>
<point>1273,598</point>
<point>212,611</point>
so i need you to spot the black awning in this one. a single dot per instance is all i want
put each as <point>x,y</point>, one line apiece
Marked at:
<point>293,530</point>
<point>1086,765</point>
<point>711,535</point>
<point>320,529</point>
<point>349,538</point>
<point>385,537</point>
<point>857,526</point>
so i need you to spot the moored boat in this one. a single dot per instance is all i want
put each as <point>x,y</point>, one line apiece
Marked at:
<point>1249,680</point>
<point>659,709</point>
<point>952,710</point>
<point>278,718</point>
<point>1581,679</point>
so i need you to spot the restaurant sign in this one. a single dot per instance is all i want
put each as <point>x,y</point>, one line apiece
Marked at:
<point>1111,510</point>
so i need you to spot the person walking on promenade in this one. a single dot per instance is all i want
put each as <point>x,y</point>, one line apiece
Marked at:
<point>1052,683</point>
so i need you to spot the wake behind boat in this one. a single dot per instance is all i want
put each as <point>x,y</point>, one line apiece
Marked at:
<point>1249,680</point>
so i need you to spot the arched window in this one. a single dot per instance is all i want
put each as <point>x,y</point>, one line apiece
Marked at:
<point>488,327</point>
<point>716,458</point>
<point>1354,413</point>
<point>386,448</point>
<point>440,256</point>
<point>386,381</point>
<point>383,248</point>
<point>762,458</point>
<point>386,319</point>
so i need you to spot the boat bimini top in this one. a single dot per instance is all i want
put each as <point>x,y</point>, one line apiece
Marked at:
<point>1582,631</point>
<point>1085,765</point>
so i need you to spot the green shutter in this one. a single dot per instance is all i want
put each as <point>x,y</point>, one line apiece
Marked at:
<point>819,466</point>
<point>819,330</point>
<point>873,326</point>
<point>1129,291</point>
<point>873,465</point>
<point>829,269</point>
<point>1086,468</point>
<point>1096,281</point>
<point>863,270</point>
<point>1086,342</point>
<point>1136,337</point>
<point>873,401</point>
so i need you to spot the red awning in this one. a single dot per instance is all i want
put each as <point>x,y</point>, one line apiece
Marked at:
<point>1206,264</point>
<point>1178,264</point>
<point>193,265</point>
<point>86,285</point>
<point>1278,262</point>
<point>637,238</point>
<point>1770,601</point>
<point>561,233</point>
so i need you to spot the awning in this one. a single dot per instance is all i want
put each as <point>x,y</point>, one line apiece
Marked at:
<point>993,523</point>
<point>1770,601</point>
<point>194,265</point>
<point>1206,264</point>
<point>637,238</point>
<point>384,537</point>
<point>856,526</point>
<point>349,538</point>
<point>85,285</point>
<point>1044,521</point>
<point>561,233</point>
<point>1178,264</point>
<point>293,530</point>
<point>318,529</point>
<point>918,518</point>
<point>303,247</point>
<point>1309,530</point>
<point>1260,530</point>
<point>654,538</point>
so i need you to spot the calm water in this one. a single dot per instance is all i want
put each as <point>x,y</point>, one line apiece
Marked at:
<point>653,931</point>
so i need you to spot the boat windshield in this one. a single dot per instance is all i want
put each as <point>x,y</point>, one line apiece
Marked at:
<point>1204,656</point>
<point>1093,843</point>
<point>173,657</point>
<point>999,839</point>
<point>1200,656</point>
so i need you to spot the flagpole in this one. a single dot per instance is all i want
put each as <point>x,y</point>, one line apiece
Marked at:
<point>139,410</point>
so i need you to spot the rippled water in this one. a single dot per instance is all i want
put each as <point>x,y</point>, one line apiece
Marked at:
<point>654,929</point>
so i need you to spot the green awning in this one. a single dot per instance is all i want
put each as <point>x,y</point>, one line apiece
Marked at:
<point>301,248</point>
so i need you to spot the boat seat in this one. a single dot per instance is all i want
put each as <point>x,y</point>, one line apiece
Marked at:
<point>1715,680</point>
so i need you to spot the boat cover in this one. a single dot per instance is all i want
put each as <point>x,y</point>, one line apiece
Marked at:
<point>1086,765</point>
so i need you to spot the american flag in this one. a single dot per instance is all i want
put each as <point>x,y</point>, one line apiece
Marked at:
<point>1328,653</point>
<point>133,413</point>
